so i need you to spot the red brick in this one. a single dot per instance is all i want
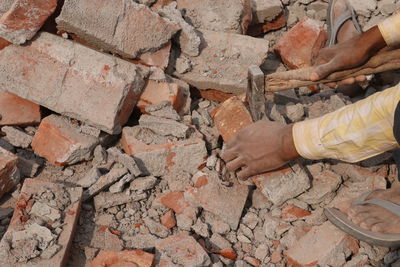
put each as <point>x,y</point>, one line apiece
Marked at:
<point>124,27</point>
<point>126,258</point>
<point>187,155</point>
<point>252,261</point>
<point>3,43</point>
<point>24,19</point>
<point>231,117</point>
<point>293,213</point>
<point>168,220</point>
<point>71,79</point>
<point>323,245</point>
<point>61,143</point>
<point>156,92</point>
<point>18,111</point>
<point>276,256</point>
<point>8,171</point>
<point>262,28</point>
<point>213,95</point>
<point>159,58</point>
<point>71,215</point>
<point>299,45</point>
<point>175,201</point>
<point>225,202</point>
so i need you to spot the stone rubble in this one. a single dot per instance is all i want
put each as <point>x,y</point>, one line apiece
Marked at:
<point>126,107</point>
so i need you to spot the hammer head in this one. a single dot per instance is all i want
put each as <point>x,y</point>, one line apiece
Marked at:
<point>255,94</point>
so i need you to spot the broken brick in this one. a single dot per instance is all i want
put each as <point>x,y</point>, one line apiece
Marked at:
<point>159,58</point>
<point>231,117</point>
<point>70,219</point>
<point>74,80</point>
<point>262,28</point>
<point>225,202</point>
<point>182,249</point>
<point>187,155</point>
<point>293,213</point>
<point>9,175</point>
<point>127,258</point>
<point>157,92</point>
<point>175,201</point>
<point>168,220</point>
<point>18,111</point>
<point>327,244</point>
<point>283,184</point>
<point>61,143</point>
<point>124,27</point>
<point>24,19</point>
<point>222,64</point>
<point>301,44</point>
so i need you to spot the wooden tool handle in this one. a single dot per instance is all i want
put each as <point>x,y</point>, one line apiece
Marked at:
<point>389,60</point>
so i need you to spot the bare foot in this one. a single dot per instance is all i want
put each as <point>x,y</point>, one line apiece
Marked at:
<point>375,218</point>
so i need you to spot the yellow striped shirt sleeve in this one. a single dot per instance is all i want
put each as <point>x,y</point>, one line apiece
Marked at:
<point>390,30</point>
<point>352,133</point>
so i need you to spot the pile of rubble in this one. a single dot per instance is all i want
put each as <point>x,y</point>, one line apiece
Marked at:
<point>112,127</point>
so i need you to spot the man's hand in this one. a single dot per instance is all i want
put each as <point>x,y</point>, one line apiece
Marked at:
<point>260,147</point>
<point>348,54</point>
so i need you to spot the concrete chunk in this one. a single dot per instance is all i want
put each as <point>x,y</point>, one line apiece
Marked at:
<point>123,26</point>
<point>73,80</point>
<point>282,185</point>
<point>224,61</point>
<point>106,200</point>
<point>183,250</point>
<point>104,181</point>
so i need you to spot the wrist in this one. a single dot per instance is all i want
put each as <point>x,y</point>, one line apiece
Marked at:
<point>288,151</point>
<point>372,41</point>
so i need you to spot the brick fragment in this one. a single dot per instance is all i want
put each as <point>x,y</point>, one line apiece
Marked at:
<point>168,219</point>
<point>182,249</point>
<point>300,45</point>
<point>104,182</point>
<point>325,184</point>
<point>123,27</point>
<point>71,79</point>
<point>222,64</point>
<point>231,117</point>
<point>127,258</point>
<point>61,143</point>
<point>18,221</point>
<point>157,92</point>
<point>225,202</point>
<point>262,28</point>
<point>293,213</point>
<point>9,174</point>
<point>266,10</point>
<point>18,111</point>
<point>281,185</point>
<point>24,18</point>
<point>327,243</point>
<point>105,200</point>
<point>165,157</point>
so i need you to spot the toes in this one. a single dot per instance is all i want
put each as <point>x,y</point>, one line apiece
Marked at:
<point>244,173</point>
<point>235,164</point>
<point>368,223</point>
<point>379,227</point>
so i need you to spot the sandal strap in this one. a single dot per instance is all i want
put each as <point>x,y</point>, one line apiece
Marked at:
<point>339,23</point>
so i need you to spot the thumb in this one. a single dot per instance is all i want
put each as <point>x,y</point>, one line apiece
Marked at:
<point>323,70</point>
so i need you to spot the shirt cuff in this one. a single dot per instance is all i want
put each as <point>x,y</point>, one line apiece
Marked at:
<point>307,140</point>
<point>390,30</point>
